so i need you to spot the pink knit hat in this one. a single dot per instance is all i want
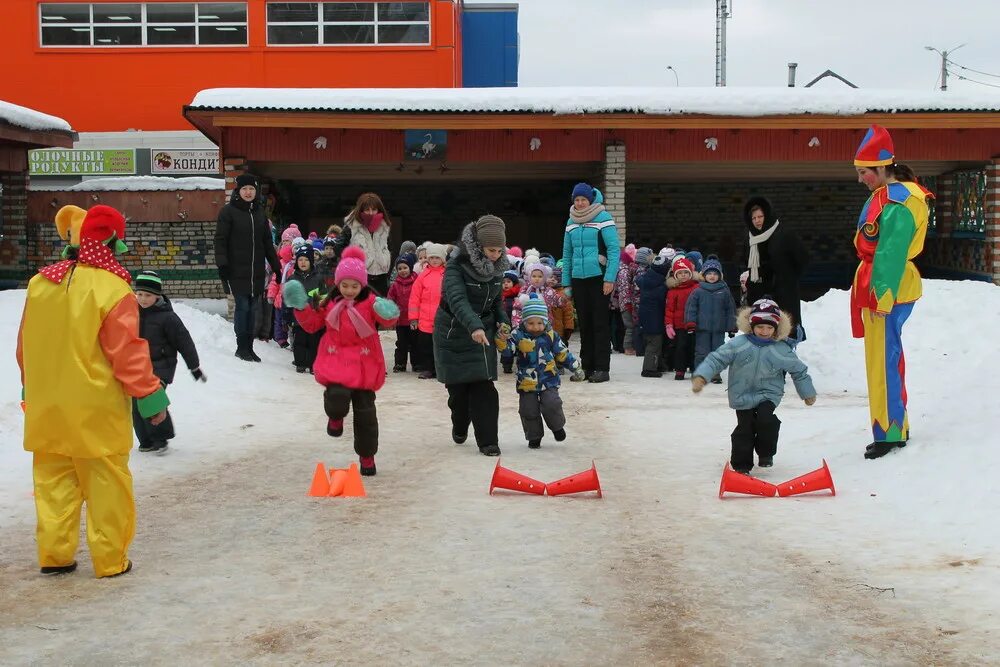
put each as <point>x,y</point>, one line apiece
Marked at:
<point>352,266</point>
<point>291,233</point>
<point>514,251</point>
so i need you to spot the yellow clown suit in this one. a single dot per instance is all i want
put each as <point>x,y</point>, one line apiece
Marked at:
<point>81,360</point>
<point>890,234</point>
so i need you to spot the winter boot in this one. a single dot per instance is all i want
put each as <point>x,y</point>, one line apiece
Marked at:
<point>284,345</point>
<point>427,375</point>
<point>146,447</point>
<point>59,569</point>
<point>599,376</point>
<point>880,449</point>
<point>535,444</point>
<point>716,380</point>
<point>367,466</point>
<point>159,447</point>
<point>128,568</point>
<point>250,353</point>
<point>489,450</point>
<point>679,375</point>
<point>399,369</point>
<point>458,437</point>
<point>652,374</point>
<point>765,461</point>
<point>508,369</point>
<point>335,428</point>
<point>559,435</point>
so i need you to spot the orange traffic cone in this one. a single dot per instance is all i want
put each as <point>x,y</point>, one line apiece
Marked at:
<point>321,482</point>
<point>337,480</point>
<point>353,486</point>
<point>512,481</point>
<point>578,483</point>
<point>735,482</point>
<point>817,480</point>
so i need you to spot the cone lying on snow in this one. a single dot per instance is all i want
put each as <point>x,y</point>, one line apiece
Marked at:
<point>342,483</point>
<point>578,483</point>
<point>817,480</point>
<point>735,482</point>
<point>503,478</point>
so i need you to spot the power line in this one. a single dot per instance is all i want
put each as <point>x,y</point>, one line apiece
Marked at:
<point>969,69</point>
<point>965,78</point>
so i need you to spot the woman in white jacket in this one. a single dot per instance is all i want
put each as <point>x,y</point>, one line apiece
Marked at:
<point>367,227</point>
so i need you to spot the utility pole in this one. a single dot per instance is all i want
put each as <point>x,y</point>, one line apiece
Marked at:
<point>723,11</point>
<point>944,63</point>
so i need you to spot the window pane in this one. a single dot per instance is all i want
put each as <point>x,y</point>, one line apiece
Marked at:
<point>117,36</point>
<point>349,34</point>
<point>292,34</point>
<point>211,34</point>
<point>224,12</point>
<point>404,34</point>
<point>174,12</point>
<point>52,36</point>
<point>170,35</point>
<point>66,13</point>
<point>117,13</point>
<point>349,11</point>
<point>403,11</point>
<point>291,12</point>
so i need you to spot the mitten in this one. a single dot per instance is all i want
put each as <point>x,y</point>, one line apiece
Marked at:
<point>697,383</point>
<point>294,295</point>
<point>579,375</point>
<point>670,331</point>
<point>198,375</point>
<point>386,309</point>
<point>810,400</point>
<point>503,330</point>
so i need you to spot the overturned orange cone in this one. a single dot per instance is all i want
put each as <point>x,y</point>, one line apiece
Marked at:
<point>337,480</point>
<point>578,483</point>
<point>736,482</point>
<point>817,480</point>
<point>504,478</point>
<point>353,486</point>
<point>321,482</point>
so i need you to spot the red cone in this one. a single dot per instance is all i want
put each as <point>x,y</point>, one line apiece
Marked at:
<point>512,481</point>
<point>735,482</point>
<point>817,480</point>
<point>578,483</point>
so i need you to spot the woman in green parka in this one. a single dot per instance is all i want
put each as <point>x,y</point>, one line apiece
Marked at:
<point>465,327</point>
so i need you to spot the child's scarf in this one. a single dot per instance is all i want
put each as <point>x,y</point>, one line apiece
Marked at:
<point>361,325</point>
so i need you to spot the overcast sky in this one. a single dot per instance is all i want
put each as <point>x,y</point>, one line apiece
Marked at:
<point>872,43</point>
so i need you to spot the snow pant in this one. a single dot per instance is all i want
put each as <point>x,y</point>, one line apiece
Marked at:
<point>338,400</point>
<point>425,347</point>
<point>304,346</point>
<point>652,358</point>
<point>638,339</point>
<point>538,405</point>
<point>885,365</point>
<point>262,311</point>
<point>683,351</point>
<point>628,322</point>
<point>379,284</point>
<point>283,317</point>
<point>479,404</point>
<point>617,330</point>
<point>756,431</point>
<point>146,432</point>
<point>706,342</point>
<point>62,485</point>
<point>593,322</point>
<point>406,346</point>
<point>243,319</point>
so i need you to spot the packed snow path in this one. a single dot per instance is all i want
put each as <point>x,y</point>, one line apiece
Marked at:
<point>234,565</point>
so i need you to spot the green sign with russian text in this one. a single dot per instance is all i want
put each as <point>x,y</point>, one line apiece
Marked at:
<point>81,162</point>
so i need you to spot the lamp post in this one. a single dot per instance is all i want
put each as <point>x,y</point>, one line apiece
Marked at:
<point>677,81</point>
<point>944,63</point>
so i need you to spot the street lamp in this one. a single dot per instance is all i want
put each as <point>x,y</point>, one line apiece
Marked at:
<point>677,81</point>
<point>944,62</point>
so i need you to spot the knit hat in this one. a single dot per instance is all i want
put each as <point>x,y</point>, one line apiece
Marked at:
<point>765,311</point>
<point>291,233</point>
<point>317,243</point>
<point>625,258</point>
<point>876,149</point>
<point>631,250</point>
<point>329,243</point>
<point>532,256</point>
<point>643,256</point>
<point>439,250</point>
<point>712,264</point>
<point>407,258</point>
<point>491,232</point>
<point>683,264</point>
<point>148,281</point>
<point>298,242</point>
<point>557,274</point>
<point>533,306</point>
<point>305,250</point>
<point>246,179</point>
<point>352,266</point>
<point>512,276</point>
<point>695,258</point>
<point>407,246</point>
<point>515,251</point>
<point>537,266</point>
<point>661,265</point>
<point>584,190</point>
<point>669,253</point>
<point>548,260</point>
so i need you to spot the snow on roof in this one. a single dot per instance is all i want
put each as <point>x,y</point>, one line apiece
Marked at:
<point>31,119</point>
<point>726,101</point>
<point>136,184</point>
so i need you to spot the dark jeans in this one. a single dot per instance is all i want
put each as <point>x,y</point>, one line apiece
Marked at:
<point>706,342</point>
<point>146,432</point>
<point>594,323</point>
<point>338,400</point>
<point>652,357</point>
<point>536,406</point>
<point>304,346</point>
<point>683,351</point>
<point>479,404</point>
<point>243,320</point>
<point>425,350</point>
<point>406,346</point>
<point>756,430</point>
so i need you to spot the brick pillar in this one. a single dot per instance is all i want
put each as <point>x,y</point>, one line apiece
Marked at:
<point>992,238</point>
<point>233,167</point>
<point>943,203</point>
<point>14,245</point>
<point>614,184</point>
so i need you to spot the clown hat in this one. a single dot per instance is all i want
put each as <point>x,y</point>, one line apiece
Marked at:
<point>876,149</point>
<point>105,224</point>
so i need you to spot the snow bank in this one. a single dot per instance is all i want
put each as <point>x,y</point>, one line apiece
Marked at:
<point>136,184</point>
<point>726,101</point>
<point>31,119</point>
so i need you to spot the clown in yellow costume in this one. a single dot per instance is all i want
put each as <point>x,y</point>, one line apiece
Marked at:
<point>81,361</point>
<point>890,234</point>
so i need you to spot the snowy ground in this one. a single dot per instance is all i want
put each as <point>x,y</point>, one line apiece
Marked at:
<point>234,565</point>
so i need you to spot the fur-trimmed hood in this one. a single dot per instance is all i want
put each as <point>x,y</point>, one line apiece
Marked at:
<point>470,254</point>
<point>784,324</point>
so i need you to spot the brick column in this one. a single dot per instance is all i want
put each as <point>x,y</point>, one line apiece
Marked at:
<point>942,203</point>
<point>613,186</point>
<point>14,245</point>
<point>992,238</point>
<point>233,167</point>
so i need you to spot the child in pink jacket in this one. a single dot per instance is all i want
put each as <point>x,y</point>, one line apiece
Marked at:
<point>425,297</point>
<point>281,322</point>
<point>349,363</point>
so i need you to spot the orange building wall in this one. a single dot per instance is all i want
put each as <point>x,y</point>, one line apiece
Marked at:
<point>112,89</point>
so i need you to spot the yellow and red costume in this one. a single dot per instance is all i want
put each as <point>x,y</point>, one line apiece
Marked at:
<point>81,360</point>
<point>890,234</point>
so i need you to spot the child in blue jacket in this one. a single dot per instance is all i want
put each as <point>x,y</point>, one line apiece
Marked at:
<point>712,309</point>
<point>757,365</point>
<point>539,352</point>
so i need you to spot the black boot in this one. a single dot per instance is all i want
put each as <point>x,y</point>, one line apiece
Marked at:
<point>880,449</point>
<point>458,437</point>
<point>250,353</point>
<point>59,569</point>
<point>599,376</point>
<point>765,461</point>
<point>489,450</point>
<point>241,349</point>
<point>535,444</point>
<point>559,435</point>
<point>652,374</point>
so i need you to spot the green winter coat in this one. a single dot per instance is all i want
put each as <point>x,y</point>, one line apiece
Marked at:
<point>469,300</point>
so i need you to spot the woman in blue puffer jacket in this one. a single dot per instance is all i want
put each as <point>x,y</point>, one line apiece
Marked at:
<point>590,265</point>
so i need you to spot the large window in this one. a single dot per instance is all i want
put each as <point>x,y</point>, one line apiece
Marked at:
<point>968,205</point>
<point>348,23</point>
<point>139,24</point>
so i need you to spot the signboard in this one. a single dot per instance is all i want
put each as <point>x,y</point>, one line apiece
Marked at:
<point>81,162</point>
<point>168,161</point>
<point>425,144</point>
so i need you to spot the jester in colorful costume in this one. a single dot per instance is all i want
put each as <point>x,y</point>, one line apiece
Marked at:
<point>890,235</point>
<point>81,361</point>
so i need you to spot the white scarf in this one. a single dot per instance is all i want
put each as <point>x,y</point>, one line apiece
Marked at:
<point>754,261</point>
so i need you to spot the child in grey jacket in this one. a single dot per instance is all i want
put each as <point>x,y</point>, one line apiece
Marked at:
<point>758,362</point>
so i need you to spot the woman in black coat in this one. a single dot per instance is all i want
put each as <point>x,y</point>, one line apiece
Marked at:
<point>242,245</point>
<point>776,260</point>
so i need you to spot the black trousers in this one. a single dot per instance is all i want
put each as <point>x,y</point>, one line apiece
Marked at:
<point>379,284</point>
<point>406,346</point>
<point>337,401</point>
<point>683,351</point>
<point>305,346</point>
<point>425,350</point>
<point>652,358</point>
<point>756,431</point>
<point>479,404</point>
<point>594,323</point>
<point>146,432</point>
